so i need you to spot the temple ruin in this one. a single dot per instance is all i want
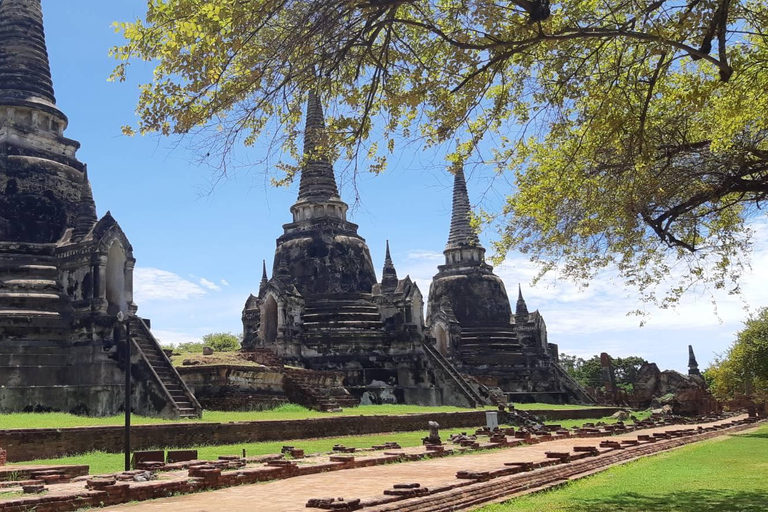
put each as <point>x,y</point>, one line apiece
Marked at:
<point>471,323</point>
<point>323,308</point>
<point>65,273</point>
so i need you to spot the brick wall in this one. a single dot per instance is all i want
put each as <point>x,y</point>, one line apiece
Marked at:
<point>31,444</point>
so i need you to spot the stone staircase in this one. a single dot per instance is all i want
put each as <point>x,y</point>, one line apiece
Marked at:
<point>441,363</point>
<point>348,315</point>
<point>301,387</point>
<point>480,342</point>
<point>183,400</point>
<point>32,299</point>
<point>573,385</point>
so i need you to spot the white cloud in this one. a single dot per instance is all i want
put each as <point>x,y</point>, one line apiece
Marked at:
<point>155,284</point>
<point>174,337</point>
<point>588,320</point>
<point>425,255</point>
<point>225,282</point>
<point>210,284</point>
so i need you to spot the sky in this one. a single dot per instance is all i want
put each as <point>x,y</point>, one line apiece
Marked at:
<point>199,247</point>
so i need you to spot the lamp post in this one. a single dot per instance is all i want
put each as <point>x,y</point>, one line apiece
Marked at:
<point>126,321</point>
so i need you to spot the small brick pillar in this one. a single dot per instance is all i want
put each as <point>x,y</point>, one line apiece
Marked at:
<point>3,457</point>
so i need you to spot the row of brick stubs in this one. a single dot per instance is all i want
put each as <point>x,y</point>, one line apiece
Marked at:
<point>494,485</point>
<point>34,444</point>
<point>210,476</point>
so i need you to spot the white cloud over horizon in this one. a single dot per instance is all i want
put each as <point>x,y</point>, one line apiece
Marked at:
<point>154,284</point>
<point>585,321</point>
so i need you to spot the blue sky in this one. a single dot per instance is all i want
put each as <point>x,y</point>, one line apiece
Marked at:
<point>199,250</point>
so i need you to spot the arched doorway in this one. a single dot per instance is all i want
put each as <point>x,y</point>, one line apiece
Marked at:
<point>269,319</point>
<point>116,299</point>
<point>441,337</point>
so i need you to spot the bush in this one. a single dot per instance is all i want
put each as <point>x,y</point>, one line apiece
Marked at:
<point>221,342</point>
<point>191,346</point>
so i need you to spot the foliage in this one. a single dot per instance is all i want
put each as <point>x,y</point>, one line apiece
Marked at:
<point>589,372</point>
<point>190,346</point>
<point>718,475</point>
<point>222,341</point>
<point>743,369</point>
<point>636,132</point>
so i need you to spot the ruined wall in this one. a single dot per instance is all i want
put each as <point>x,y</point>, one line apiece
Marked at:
<point>235,388</point>
<point>29,444</point>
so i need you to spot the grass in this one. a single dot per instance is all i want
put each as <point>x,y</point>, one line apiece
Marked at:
<point>724,474</point>
<point>233,358</point>
<point>284,412</point>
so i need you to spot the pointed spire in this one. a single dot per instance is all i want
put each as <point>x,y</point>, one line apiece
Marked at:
<point>693,365</point>
<point>86,211</point>
<point>318,183</point>
<point>462,234</point>
<point>521,311</point>
<point>264,279</point>
<point>389,275</point>
<point>25,73</point>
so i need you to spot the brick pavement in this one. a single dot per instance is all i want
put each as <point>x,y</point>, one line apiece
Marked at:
<point>292,494</point>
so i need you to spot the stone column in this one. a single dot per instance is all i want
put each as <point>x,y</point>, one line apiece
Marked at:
<point>99,301</point>
<point>130,264</point>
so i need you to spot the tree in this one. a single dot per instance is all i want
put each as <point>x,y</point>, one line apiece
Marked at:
<point>589,372</point>
<point>636,132</point>
<point>743,369</point>
<point>222,341</point>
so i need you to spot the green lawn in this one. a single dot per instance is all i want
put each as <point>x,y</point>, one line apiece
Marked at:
<point>285,412</point>
<point>724,474</point>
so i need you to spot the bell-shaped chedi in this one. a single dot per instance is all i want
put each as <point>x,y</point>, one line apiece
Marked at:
<point>477,296</point>
<point>321,250</point>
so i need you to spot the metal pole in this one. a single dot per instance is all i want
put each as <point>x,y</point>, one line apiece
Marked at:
<point>128,395</point>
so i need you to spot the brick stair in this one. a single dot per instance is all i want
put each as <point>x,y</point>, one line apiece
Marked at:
<point>184,401</point>
<point>441,363</point>
<point>32,299</point>
<point>300,390</point>
<point>354,314</point>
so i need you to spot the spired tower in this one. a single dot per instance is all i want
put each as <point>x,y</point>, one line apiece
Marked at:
<point>470,321</point>
<point>65,274</point>
<point>323,309</point>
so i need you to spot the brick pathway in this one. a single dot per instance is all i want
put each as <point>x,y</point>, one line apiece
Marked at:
<point>292,494</point>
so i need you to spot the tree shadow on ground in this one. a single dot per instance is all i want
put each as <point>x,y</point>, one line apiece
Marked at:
<point>753,435</point>
<point>683,501</point>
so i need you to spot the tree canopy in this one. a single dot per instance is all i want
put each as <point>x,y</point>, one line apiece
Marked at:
<point>743,369</point>
<point>589,372</point>
<point>635,130</point>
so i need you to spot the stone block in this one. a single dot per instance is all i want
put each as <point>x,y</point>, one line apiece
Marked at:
<point>180,456</point>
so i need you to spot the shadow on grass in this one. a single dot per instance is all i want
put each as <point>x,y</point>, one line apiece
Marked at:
<point>683,501</point>
<point>753,435</point>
